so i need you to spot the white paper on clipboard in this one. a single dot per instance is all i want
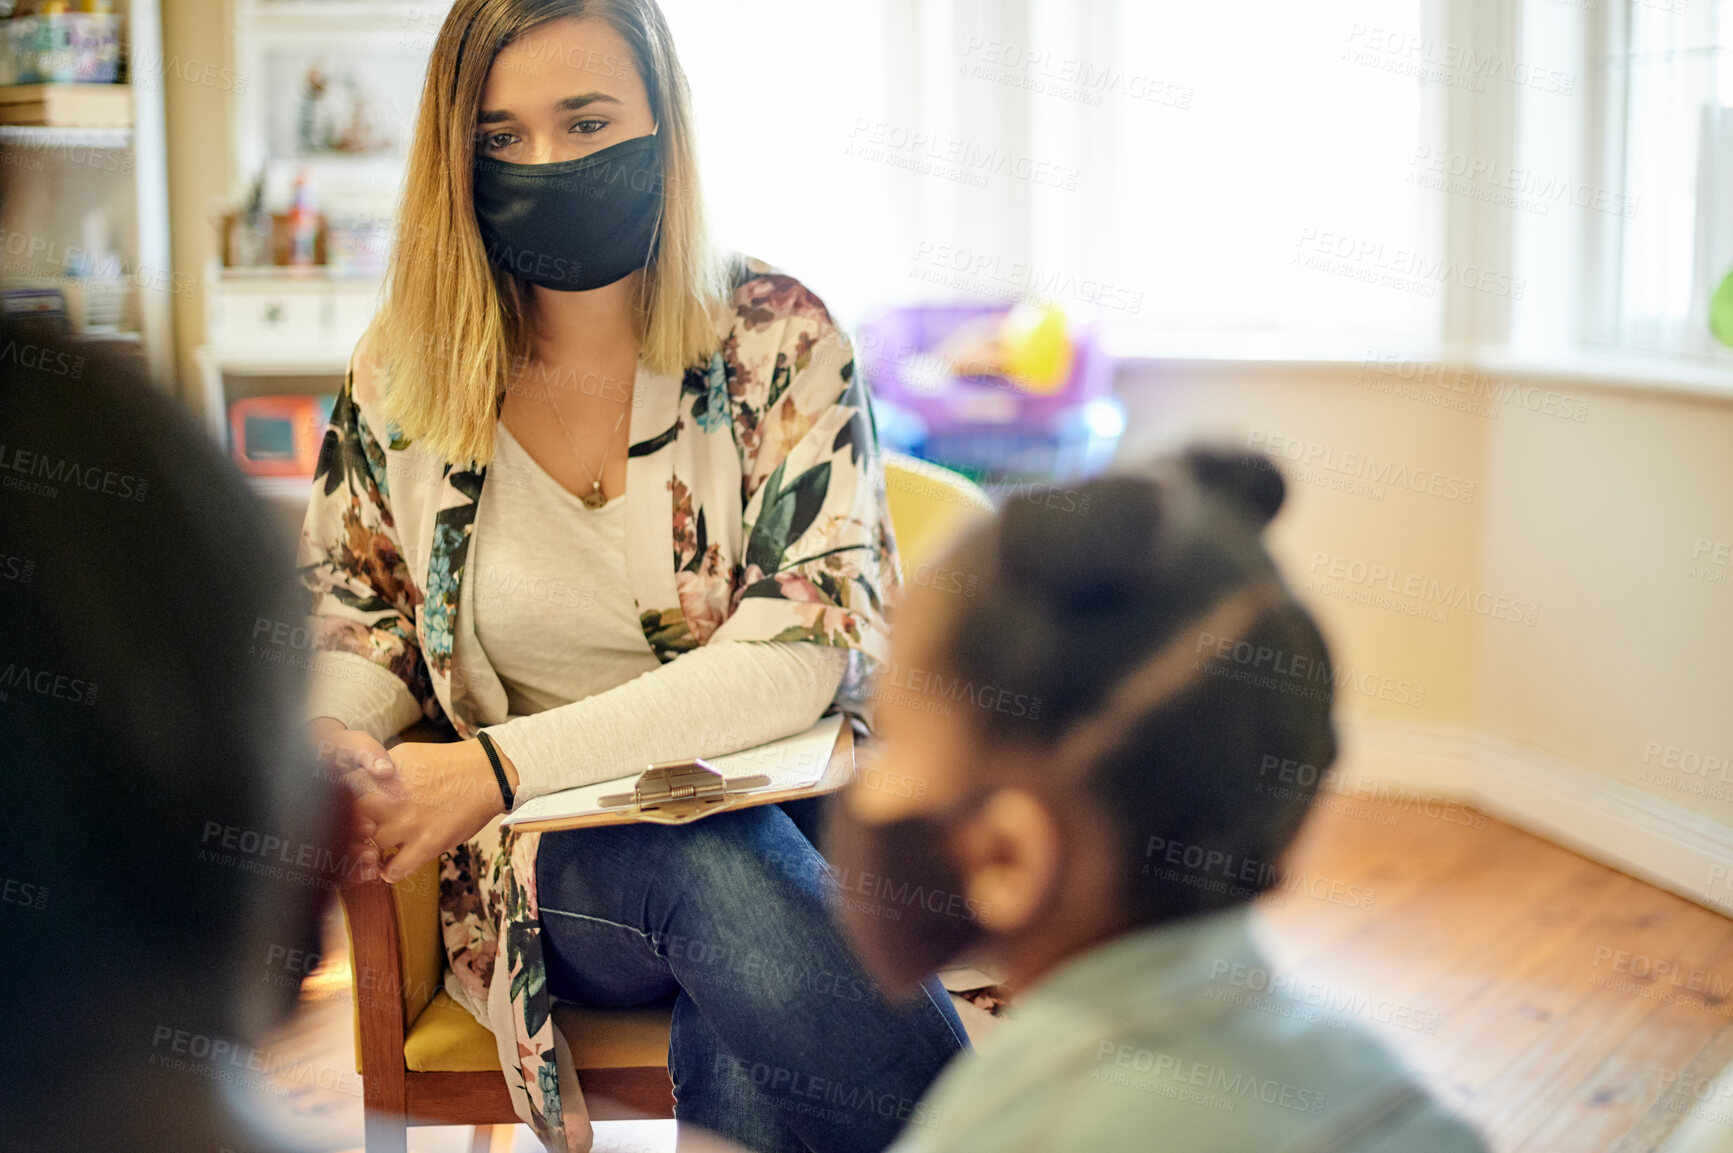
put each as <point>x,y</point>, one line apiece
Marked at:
<point>790,763</point>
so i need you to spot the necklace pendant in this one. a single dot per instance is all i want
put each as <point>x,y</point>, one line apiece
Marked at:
<point>594,498</point>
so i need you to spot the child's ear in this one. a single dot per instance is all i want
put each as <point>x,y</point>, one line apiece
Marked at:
<point>1010,857</point>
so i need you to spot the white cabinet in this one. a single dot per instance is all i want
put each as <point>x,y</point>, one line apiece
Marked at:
<point>259,309</point>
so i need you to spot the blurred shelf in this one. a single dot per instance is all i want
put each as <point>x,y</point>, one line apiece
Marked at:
<point>295,272</point>
<point>80,149</point>
<point>288,489</point>
<point>230,371</point>
<point>319,15</point>
<point>281,360</point>
<point>108,337</point>
<point>65,136</point>
<point>67,105</point>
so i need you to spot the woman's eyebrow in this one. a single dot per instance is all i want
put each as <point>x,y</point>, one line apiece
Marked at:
<point>569,104</point>
<point>572,103</point>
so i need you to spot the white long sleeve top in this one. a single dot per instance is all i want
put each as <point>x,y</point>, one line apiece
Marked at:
<point>588,699</point>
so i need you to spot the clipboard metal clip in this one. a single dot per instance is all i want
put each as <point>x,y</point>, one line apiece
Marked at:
<point>674,792</point>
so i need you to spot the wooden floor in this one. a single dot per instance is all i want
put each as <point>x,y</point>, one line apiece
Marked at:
<point>1510,950</point>
<point>1518,978</point>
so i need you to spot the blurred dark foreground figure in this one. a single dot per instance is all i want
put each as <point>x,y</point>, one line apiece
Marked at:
<point>1099,738</point>
<point>164,848</point>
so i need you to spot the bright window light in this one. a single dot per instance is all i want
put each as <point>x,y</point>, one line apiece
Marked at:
<point>1241,167</point>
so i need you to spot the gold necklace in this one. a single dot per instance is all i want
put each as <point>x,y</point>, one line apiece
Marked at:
<point>593,498</point>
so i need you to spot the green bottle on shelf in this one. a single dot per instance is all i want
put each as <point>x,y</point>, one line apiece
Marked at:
<point>303,221</point>
<point>1721,312</point>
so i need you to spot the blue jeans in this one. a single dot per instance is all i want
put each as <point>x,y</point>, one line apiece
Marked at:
<point>780,1043</point>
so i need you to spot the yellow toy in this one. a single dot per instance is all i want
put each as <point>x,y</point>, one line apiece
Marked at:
<point>1030,346</point>
<point>1035,347</point>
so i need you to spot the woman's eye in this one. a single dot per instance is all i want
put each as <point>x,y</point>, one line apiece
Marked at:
<point>498,141</point>
<point>588,127</point>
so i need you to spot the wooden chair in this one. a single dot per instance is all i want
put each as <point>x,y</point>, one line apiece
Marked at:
<point>425,1061</point>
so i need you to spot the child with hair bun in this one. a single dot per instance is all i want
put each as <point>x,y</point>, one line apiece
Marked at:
<point>1083,748</point>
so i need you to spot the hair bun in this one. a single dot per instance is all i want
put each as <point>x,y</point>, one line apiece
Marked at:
<point>1051,542</point>
<point>1249,479</point>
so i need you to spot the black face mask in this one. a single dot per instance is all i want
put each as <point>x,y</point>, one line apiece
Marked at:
<point>901,900</point>
<point>575,225</point>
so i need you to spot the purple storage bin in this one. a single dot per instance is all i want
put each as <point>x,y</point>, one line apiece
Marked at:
<point>892,344</point>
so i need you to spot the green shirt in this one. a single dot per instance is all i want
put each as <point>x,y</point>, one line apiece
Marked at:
<point>1171,1038</point>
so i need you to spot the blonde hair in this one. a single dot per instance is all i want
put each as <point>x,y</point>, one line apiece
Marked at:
<point>451,324</point>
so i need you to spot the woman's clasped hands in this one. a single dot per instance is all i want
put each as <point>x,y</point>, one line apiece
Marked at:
<point>414,801</point>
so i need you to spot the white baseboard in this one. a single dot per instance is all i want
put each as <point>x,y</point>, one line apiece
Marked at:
<point>1604,819</point>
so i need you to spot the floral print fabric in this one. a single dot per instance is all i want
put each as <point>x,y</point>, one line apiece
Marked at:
<point>756,512</point>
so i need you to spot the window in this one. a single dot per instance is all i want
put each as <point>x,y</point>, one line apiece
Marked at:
<point>1669,81</point>
<point>1284,197</point>
<point>1245,167</point>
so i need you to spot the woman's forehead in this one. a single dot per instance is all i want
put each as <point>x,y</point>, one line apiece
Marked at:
<point>562,60</point>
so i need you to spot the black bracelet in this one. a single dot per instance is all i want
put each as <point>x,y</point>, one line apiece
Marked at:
<point>498,769</point>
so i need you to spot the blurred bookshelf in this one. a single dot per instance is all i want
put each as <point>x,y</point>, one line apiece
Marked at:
<point>84,227</point>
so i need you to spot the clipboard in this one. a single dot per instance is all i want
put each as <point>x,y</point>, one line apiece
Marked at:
<point>680,792</point>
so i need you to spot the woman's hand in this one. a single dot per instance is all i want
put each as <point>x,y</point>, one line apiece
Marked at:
<point>359,760</point>
<point>440,796</point>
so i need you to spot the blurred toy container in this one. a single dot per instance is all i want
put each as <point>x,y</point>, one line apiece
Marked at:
<point>358,246</point>
<point>56,45</point>
<point>1007,394</point>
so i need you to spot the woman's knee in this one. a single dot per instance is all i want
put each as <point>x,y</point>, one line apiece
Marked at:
<point>745,851</point>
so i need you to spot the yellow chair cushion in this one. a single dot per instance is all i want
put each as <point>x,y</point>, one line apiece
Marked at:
<point>421,952</point>
<point>420,945</point>
<point>616,1038</point>
<point>446,1039</point>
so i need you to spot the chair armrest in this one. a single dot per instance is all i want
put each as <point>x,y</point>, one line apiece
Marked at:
<point>388,992</point>
<point>376,967</point>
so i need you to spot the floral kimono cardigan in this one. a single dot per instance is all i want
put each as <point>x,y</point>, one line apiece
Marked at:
<point>756,511</point>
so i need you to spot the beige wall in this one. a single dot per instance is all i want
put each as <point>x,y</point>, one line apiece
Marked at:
<point>1416,670</point>
<point>1602,518</point>
<point>1593,523</point>
<point>197,119</point>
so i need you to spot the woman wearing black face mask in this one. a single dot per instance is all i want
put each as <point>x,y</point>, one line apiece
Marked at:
<point>598,498</point>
